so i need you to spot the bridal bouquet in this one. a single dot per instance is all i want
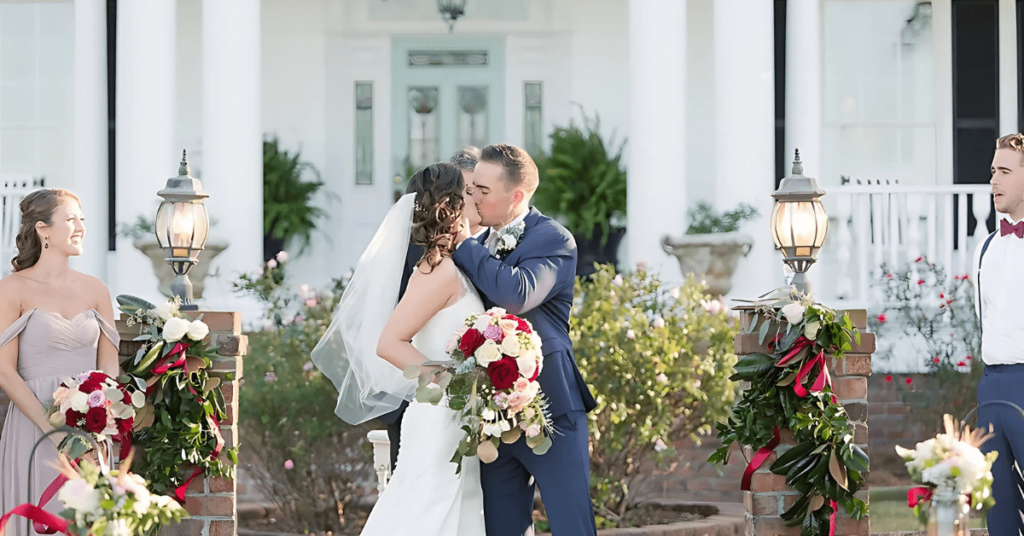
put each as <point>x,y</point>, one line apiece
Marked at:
<point>98,404</point>
<point>491,382</point>
<point>950,463</point>
<point>117,503</point>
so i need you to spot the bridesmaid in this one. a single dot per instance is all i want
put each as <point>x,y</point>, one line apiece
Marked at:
<point>54,322</point>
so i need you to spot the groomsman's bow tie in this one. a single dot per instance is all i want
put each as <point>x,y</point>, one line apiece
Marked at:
<point>1005,228</point>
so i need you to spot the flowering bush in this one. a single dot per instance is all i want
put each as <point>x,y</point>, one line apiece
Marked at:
<point>178,428</point>
<point>492,385</point>
<point>952,463</point>
<point>309,462</point>
<point>933,314</point>
<point>658,361</point>
<point>117,503</point>
<point>97,404</point>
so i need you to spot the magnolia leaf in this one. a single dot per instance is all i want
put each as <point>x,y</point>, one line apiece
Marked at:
<point>788,380</point>
<point>816,502</point>
<point>487,452</point>
<point>131,304</point>
<point>151,357</point>
<point>811,330</point>
<point>837,469</point>
<point>211,383</point>
<point>511,436</point>
<point>542,449</point>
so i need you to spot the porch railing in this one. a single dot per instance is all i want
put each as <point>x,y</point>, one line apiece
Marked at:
<point>892,225</point>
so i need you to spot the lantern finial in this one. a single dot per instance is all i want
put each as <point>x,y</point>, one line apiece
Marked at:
<point>183,170</point>
<point>798,166</point>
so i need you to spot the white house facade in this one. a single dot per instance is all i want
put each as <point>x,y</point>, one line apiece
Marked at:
<point>894,105</point>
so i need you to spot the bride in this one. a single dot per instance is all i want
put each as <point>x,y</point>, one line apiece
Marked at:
<point>371,341</point>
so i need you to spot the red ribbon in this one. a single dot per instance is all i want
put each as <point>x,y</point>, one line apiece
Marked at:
<point>823,376</point>
<point>916,495</point>
<point>43,522</point>
<point>799,344</point>
<point>162,366</point>
<point>179,493</point>
<point>832,518</point>
<point>759,458</point>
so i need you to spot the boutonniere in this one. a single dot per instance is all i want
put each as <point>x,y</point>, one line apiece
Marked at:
<point>509,236</point>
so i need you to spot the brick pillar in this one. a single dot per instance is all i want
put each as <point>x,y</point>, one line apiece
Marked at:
<point>210,502</point>
<point>769,495</point>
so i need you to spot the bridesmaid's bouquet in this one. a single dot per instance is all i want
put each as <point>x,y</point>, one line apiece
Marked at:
<point>97,404</point>
<point>491,383</point>
<point>115,503</point>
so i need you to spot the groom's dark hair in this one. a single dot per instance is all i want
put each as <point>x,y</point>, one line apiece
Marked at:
<point>520,169</point>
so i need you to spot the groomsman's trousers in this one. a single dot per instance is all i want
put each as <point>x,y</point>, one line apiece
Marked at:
<point>563,474</point>
<point>1005,383</point>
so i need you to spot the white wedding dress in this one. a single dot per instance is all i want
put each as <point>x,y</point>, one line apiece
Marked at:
<point>425,497</point>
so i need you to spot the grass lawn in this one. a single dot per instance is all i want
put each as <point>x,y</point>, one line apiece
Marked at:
<point>889,511</point>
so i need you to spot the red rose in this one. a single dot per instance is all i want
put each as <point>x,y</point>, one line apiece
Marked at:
<point>98,376</point>
<point>524,326</point>
<point>96,420</point>
<point>125,425</point>
<point>503,373</point>
<point>471,340</point>
<point>72,418</point>
<point>127,398</point>
<point>90,385</point>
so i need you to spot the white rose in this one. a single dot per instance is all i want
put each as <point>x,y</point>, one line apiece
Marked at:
<point>794,313</point>
<point>508,242</point>
<point>80,402</point>
<point>527,366</point>
<point>175,328</point>
<point>482,322</point>
<point>198,330</point>
<point>282,256</point>
<point>488,353</point>
<point>535,339</point>
<point>508,326</point>
<point>80,496</point>
<point>510,346</point>
<point>164,311</point>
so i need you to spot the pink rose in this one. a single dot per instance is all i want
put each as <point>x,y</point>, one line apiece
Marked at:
<point>630,334</point>
<point>533,430</point>
<point>659,322</point>
<point>494,333</point>
<point>96,399</point>
<point>311,302</point>
<point>288,464</point>
<point>499,400</point>
<point>521,384</point>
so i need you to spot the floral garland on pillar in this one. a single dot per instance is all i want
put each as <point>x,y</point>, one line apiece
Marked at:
<point>790,388</point>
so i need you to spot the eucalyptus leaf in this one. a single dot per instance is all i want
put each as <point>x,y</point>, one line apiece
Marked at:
<point>511,436</point>
<point>543,447</point>
<point>487,451</point>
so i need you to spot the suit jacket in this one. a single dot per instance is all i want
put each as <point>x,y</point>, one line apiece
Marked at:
<point>536,281</point>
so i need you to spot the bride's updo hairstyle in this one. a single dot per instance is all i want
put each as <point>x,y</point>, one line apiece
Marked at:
<point>439,203</point>
<point>37,206</point>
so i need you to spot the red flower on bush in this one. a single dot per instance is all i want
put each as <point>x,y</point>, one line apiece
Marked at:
<point>72,418</point>
<point>96,420</point>
<point>935,360</point>
<point>881,318</point>
<point>909,381</point>
<point>503,373</point>
<point>968,358</point>
<point>918,259</point>
<point>961,364</point>
<point>920,281</point>
<point>888,378</point>
<point>471,340</point>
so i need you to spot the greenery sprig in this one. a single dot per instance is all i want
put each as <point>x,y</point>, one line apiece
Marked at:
<point>824,465</point>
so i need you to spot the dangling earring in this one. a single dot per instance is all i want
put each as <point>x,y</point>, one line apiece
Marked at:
<point>47,244</point>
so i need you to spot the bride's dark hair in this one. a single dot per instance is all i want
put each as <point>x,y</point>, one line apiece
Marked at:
<point>439,203</point>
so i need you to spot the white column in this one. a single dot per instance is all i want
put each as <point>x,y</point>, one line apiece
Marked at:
<point>90,156</point>
<point>803,83</point>
<point>942,34</point>
<point>145,153</point>
<point>745,133</point>
<point>656,193</point>
<point>1007,67</point>
<point>232,169</point>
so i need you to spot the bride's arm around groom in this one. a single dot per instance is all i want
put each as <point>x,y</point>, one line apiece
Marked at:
<point>533,276</point>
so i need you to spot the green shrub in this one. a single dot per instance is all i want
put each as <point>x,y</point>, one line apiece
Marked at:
<point>658,361</point>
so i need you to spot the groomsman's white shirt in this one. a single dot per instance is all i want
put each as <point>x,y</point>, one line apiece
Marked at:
<point>1000,299</point>
<point>496,230</point>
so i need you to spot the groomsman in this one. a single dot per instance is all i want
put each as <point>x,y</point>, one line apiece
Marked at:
<point>466,160</point>
<point>999,291</point>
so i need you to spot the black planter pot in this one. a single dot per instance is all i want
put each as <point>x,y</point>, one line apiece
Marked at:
<point>591,251</point>
<point>271,246</point>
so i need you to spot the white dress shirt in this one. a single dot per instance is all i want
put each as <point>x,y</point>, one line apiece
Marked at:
<point>1000,300</point>
<point>493,237</point>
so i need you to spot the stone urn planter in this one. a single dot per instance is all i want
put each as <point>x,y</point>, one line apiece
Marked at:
<point>709,257</point>
<point>151,249</point>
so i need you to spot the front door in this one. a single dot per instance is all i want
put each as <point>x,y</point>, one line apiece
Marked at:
<point>447,93</point>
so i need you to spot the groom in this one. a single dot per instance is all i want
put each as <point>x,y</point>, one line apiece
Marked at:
<point>526,264</point>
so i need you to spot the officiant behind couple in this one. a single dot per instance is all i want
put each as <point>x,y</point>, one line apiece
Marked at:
<point>521,261</point>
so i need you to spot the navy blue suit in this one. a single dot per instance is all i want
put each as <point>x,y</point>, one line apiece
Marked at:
<point>536,281</point>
